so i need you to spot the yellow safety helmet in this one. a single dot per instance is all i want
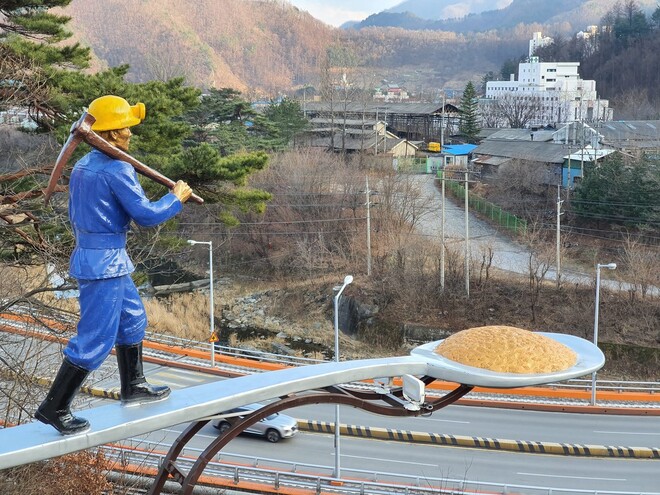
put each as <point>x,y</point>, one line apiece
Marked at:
<point>114,112</point>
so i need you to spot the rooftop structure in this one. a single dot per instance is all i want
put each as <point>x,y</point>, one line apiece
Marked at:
<point>552,92</point>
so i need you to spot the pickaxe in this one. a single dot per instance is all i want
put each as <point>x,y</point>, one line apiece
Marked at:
<point>82,131</point>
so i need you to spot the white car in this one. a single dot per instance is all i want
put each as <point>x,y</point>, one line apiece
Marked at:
<point>273,427</point>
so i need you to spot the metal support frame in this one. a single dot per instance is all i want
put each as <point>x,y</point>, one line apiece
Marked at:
<point>332,395</point>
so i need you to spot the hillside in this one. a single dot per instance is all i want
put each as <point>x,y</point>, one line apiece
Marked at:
<point>269,47</point>
<point>564,16</point>
<point>261,45</point>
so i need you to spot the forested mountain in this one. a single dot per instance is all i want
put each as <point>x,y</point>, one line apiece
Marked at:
<point>268,47</point>
<point>265,45</point>
<point>565,16</point>
<point>624,59</point>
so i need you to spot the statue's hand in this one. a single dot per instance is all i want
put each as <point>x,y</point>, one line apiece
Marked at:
<point>182,191</point>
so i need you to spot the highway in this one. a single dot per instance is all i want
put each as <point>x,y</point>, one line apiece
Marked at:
<point>428,461</point>
<point>443,462</point>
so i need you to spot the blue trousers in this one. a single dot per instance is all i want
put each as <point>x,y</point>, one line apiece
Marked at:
<point>111,312</point>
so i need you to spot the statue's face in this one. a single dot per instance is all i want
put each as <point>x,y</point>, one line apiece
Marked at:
<point>121,138</point>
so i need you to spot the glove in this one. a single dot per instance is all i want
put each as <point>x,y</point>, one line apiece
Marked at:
<point>182,191</point>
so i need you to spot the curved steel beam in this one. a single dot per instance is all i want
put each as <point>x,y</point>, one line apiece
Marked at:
<point>356,399</point>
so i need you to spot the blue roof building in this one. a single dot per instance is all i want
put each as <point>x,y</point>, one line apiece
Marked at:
<point>458,149</point>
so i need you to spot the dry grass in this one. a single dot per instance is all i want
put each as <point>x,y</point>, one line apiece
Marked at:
<point>181,315</point>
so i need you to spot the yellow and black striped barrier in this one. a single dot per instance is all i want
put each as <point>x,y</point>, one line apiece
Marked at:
<point>482,442</point>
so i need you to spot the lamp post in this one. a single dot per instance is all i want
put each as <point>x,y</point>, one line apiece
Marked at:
<point>338,290</point>
<point>212,319</point>
<point>609,266</point>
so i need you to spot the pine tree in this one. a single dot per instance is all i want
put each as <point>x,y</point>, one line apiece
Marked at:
<point>33,39</point>
<point>288,119</point>
<point>620,191</point>
<point>469,126</point>
<point>229,123</point>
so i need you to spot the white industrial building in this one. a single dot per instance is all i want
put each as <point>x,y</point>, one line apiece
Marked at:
<point>553,92</point>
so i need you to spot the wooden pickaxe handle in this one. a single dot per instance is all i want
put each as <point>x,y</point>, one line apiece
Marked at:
<point>82,131</point>
<point>67,150</point>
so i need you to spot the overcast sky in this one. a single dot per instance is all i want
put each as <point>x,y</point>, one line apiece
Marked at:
<point>336,12</point>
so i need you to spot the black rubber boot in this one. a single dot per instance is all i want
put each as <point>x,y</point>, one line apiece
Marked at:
<point>134,386</point>
<point>55,410</point>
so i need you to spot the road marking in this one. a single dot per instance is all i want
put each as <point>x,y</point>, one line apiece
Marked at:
<point>445,421</point>
<point>571,477</point>
<point>386,460</point>
<point>626,433</point>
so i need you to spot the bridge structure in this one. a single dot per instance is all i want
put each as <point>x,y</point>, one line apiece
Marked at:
<point>320,383</point>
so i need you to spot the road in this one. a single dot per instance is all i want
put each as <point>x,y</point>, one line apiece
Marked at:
<point>508,255</point>
<point>428,461</point>
<point>425,461</point>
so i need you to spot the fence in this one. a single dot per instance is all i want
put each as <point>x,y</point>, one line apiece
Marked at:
<point>491,210</point>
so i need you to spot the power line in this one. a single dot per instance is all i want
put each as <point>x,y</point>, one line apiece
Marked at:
<point>292,222</point>
<point>311,232</point>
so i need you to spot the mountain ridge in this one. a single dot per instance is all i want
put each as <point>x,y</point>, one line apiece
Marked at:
<point>446,9</point>
<point>562,16</point>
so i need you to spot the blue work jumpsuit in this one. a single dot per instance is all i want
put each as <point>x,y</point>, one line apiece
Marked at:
<point>104,196</point>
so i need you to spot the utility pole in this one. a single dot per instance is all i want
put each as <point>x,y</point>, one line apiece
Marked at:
<point>558,255</point>
<point>582,153</point>
<point>384,134</point>
<point>568,180</point>
<point>442,126</point>
<point>368,193</point>
<point>442,231</point>
<point>376,150</point>
<point>467,239</point>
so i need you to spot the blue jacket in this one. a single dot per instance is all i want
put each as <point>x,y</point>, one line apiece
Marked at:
<point>104,196</point>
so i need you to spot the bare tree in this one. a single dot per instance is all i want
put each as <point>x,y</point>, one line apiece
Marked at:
<point>402,203</point>
<point>635,104</point>
<point>540,258</point>
<point>491,117</point>
<point>522,187</point>
<point>640,264</point>
<point>518,110</point>
<point>23,85</point>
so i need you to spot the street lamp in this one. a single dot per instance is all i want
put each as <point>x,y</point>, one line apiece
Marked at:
<point>212,319</point>
<point>609,266</point>
<point>338,290</point>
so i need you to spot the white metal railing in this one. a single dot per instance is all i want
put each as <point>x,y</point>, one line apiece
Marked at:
<point>235,352</point>
<point>356,481</point>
